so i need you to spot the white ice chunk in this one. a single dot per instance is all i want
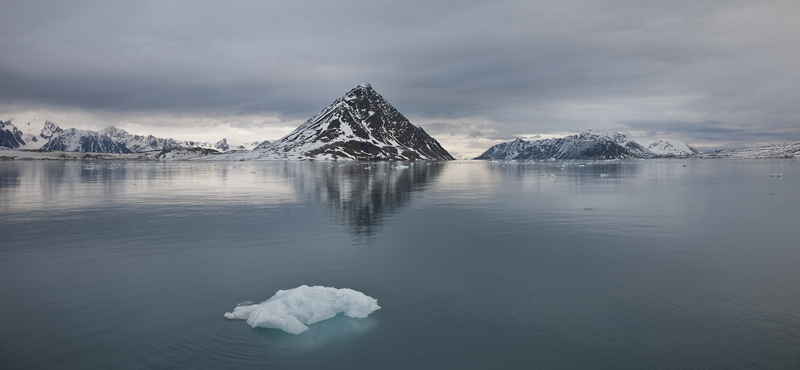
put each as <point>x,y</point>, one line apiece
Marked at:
<point>291,310</point>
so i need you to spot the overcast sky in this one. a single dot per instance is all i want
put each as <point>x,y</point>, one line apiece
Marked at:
<point>716,74</point>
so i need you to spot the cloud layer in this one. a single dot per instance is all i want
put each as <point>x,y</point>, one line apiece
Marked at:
<point>713,73</point>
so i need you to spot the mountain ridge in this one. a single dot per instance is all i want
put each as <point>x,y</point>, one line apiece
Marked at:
<point>594,145</point>
<point>108,140</point>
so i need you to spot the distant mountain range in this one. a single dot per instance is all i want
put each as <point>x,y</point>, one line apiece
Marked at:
<point>362,125</point>
<point>592,145</point>
<point>109,140</point>
<point>784,150</point>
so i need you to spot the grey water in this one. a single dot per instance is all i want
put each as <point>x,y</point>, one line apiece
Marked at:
<point>669,264</point>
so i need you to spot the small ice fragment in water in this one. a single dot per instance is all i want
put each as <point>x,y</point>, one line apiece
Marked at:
<point>291,310</point>
<point>776,175</point>
<point>604,175</point>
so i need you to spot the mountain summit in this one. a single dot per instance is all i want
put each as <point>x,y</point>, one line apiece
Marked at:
<point>361,125</point>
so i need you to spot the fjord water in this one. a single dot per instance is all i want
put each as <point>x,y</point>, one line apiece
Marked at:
<point>667,264</point>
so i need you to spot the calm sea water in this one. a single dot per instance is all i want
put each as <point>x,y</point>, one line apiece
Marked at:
<point>679,264</point>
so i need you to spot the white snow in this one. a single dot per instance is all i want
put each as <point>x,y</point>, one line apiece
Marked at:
<point>291,310</point>
<point>668,147</point>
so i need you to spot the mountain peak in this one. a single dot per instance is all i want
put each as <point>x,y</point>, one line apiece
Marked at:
<point>361,125</point>
<point>113,131</point>
<point>50,129</point>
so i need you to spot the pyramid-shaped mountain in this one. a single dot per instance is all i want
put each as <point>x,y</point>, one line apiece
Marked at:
<point>360,125</point>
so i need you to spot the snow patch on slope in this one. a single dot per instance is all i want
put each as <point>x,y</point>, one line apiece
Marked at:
<point>668,147</point>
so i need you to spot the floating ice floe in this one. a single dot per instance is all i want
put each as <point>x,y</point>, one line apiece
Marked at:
<point>291,310</point>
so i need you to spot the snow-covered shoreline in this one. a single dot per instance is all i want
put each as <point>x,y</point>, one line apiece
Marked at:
<point>25,154</point>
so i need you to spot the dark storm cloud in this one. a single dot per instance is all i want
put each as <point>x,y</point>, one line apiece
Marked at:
<point>516,67</point>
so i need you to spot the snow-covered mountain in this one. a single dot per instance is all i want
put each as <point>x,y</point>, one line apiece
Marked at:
<point>586,145</point>
<point>361,125</point>
<point>225,145</point>
<point>784,150</point>
<point>503,151</point>
<point>141,143</point>
<point>74,140</point>
<point>109,140</point>
<point>10,135</point>
<point>13,137</point>
<point>668,147</point>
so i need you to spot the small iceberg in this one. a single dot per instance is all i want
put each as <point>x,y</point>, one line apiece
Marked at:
<point>291,310</point>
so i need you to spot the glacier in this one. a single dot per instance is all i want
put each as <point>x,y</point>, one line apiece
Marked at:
<point>293,309</point>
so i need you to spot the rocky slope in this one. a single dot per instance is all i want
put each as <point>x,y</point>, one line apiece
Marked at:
<point>10,135</point>
<point>590,144</point>
<point>361,125</point>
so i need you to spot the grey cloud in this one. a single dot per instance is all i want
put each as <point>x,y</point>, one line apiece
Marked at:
<point>519,65</point>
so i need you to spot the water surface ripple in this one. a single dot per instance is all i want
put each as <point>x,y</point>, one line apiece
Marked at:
<point>668,264</point>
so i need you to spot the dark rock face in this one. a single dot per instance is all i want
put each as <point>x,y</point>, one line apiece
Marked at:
<point>361,125</point>
<point>10,135</point>
<point>588,145</point>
